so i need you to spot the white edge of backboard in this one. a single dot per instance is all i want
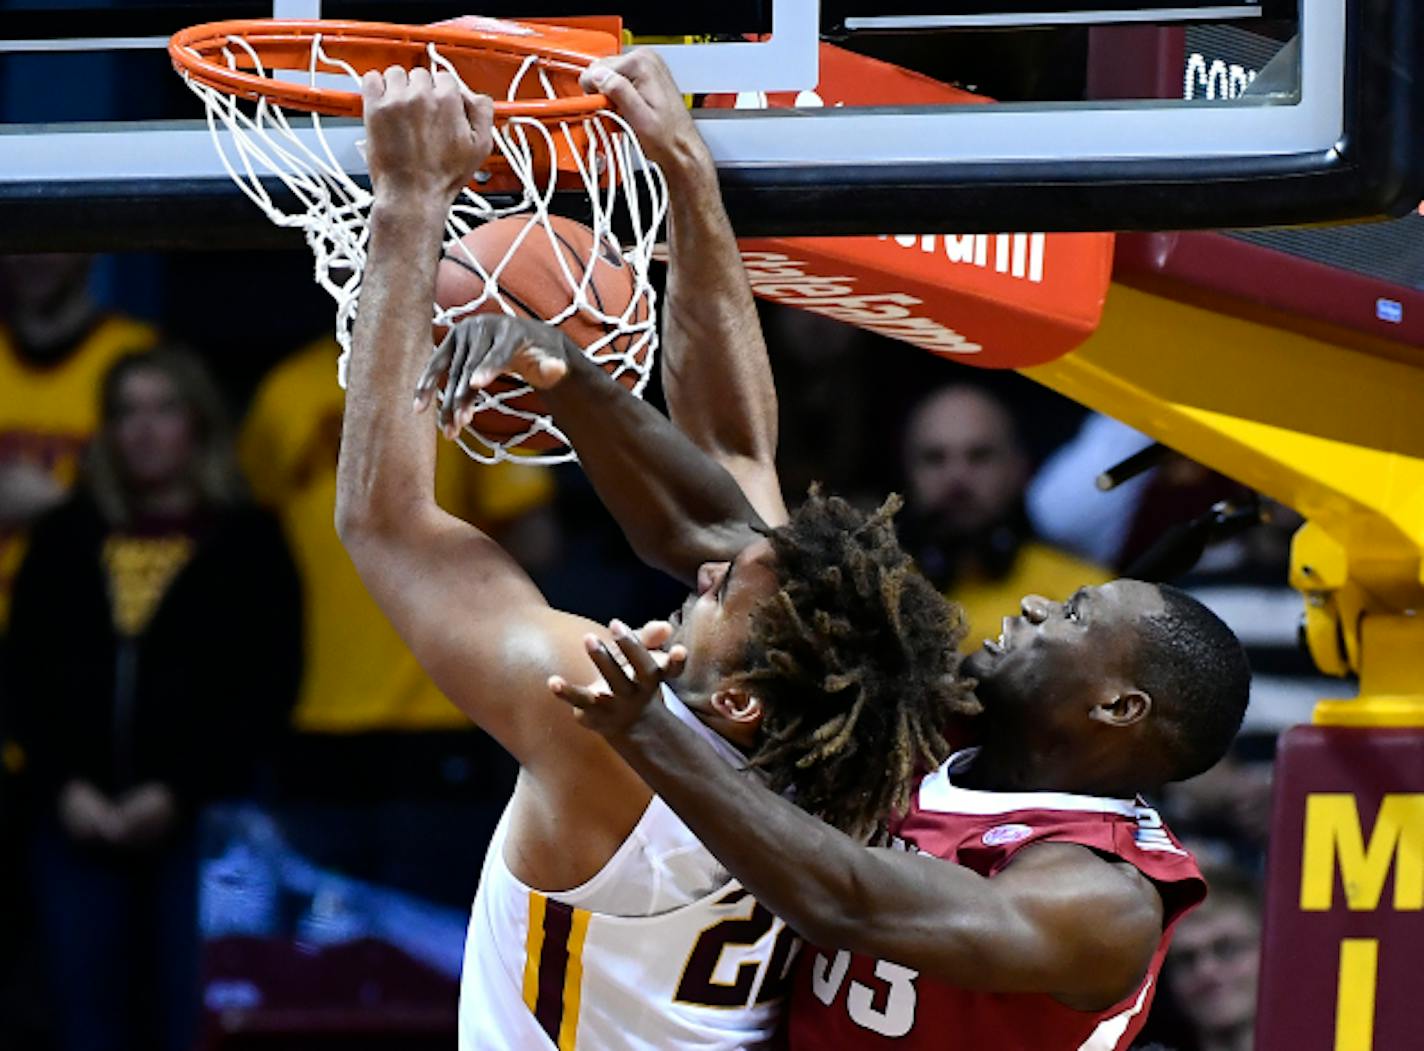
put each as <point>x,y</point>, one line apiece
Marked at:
<point>1311,124</point>
<point>788,61</point>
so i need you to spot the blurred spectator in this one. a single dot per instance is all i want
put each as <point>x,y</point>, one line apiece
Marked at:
<point>384,779</point>
<point>1066,506</point>
<point>1117,526</point>
<point>55,346</point>
<point>1214,964</point>
<point>964,521</point>
<point>155,653</point>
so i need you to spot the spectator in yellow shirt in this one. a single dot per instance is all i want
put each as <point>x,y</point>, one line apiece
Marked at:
<point>965,472</point>
<point>55,346</point>
<point>384,779</point>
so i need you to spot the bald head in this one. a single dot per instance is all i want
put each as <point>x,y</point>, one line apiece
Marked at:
<point>964,467</point>
<point>1123,687</point>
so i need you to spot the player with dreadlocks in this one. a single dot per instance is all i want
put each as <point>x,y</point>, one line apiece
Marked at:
<point>1028,897</point>
<point>837,660</point>
<point>808,649</point>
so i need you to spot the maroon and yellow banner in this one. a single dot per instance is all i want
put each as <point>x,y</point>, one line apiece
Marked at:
<point>1343,960</point>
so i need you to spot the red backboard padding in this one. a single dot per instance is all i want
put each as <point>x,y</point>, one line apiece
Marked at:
<point>994,300</point>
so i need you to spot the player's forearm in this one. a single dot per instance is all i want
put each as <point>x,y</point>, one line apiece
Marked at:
<point>386,469</point>
<point>940,918</point>
<point>677,507</point>
<point>808,873</point>
<point>716,375</point>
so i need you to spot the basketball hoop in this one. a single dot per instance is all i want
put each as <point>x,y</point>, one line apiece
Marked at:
<point>268,84</point>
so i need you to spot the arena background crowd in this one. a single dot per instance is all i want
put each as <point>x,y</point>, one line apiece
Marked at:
<point>234,810</point>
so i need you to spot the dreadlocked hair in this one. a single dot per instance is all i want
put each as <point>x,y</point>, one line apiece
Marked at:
<point>855,658</point>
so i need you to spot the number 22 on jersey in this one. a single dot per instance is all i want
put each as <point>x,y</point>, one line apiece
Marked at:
<point>700,983</point>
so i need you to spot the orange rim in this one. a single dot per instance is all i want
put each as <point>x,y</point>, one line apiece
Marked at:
<point>479,55</point>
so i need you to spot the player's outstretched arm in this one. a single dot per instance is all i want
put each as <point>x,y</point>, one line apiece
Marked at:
<point>1060,920</point>
<point>469,613</point>
<point>677,506</point>
<point>716,375</point>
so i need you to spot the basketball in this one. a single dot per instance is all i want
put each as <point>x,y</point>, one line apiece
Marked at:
<point>538,280</point>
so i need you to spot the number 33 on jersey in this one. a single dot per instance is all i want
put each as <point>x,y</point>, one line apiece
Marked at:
<point>842,1001</point>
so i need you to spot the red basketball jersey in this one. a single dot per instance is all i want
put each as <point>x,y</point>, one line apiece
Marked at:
<point>843,1000</point>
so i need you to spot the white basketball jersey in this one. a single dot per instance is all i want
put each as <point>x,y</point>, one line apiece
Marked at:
<point>660,951</point>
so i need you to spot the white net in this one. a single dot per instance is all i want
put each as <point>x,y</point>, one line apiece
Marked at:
<point>260,142</point>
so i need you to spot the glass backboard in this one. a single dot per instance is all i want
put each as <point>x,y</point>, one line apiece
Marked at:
<point>101,147</point>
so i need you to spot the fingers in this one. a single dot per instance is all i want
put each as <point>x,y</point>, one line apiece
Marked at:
<point>642,67</point>
<point>439,365</point>
<point>581,697</point>
<point>602,76</point>
<point>479,348</point>
<point>648,669</point>
<point>378,89</point>
<point>489,354</point>
<point>591,708</point>
<point>385,87</point>
<point>442,82</point>
<point>425,131</point>
<point>642,91</point>
<point>525,347</point>
<point>457,368</point>
<point>655,634</point>
<point>548,373</point>
<point>641,661</point>
<point>619,684</point>
<point>373,86</point>
<point>591,79</point>
<point>538,364</point>
<point>479,110</point>
<point>490,351</point>
<point>461,106</point>
<point>505,340</point>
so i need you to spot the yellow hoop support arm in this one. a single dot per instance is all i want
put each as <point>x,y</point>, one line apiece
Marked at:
<point>1333,432</point>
